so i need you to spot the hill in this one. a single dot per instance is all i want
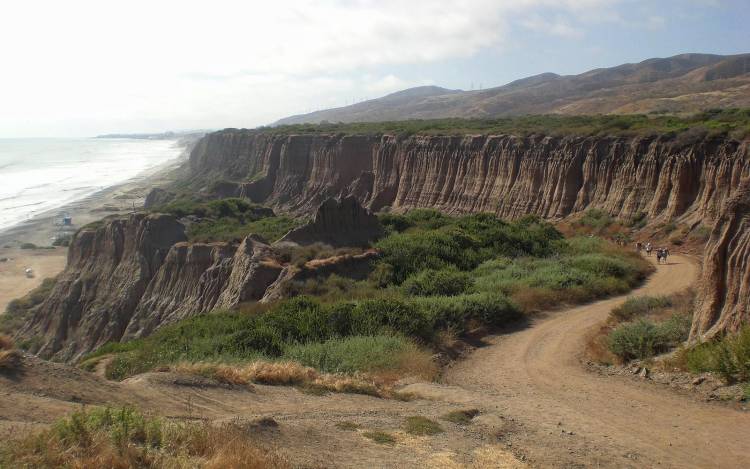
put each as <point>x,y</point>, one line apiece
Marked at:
<point>681,84</point>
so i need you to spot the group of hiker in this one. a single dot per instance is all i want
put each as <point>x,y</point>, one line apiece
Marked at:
<point>661,253</point>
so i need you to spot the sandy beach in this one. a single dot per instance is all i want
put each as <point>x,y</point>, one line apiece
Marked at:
<point>41,230</point>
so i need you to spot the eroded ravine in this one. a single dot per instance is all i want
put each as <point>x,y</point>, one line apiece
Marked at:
<point>536,378</point>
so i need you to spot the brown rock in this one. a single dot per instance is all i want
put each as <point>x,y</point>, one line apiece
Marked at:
<point>722,303</point>
<point>109,268</point>
<point>129,277</point>
<point>338,223</point>
<point>507,175</point>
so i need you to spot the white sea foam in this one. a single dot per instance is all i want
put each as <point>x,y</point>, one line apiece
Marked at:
<point>38,175</point>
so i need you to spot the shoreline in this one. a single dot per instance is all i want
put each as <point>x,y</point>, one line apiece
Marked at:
<point>47,261</point>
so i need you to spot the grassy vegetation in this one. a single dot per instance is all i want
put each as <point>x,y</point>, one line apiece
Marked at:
<point>347,426</point>
<point>639,306</point>
<point>436,277</point>
<point>380,437</point>
<point>595,219</point>
<point>422,426</point>
<point>19,310</point>
<point>728,356</point>
<point>735,122</point>
<point>644,339</point>
<point>126,438</point>
<point>229,219</point>
<point>643,327</point>
<point>460,417</point>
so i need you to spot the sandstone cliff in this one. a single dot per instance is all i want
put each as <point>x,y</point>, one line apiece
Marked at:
<point>109,268</point>
<point>554,177</point>
<point>338,223</point>
<point>723,303</point>
<point>130,276</point>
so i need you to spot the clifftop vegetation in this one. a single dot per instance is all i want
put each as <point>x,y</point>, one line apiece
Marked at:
<point>731,122</point>
<point>437,278</point>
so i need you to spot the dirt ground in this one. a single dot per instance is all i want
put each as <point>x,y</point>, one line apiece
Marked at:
<point>539,405</point>
<point>570,417</point>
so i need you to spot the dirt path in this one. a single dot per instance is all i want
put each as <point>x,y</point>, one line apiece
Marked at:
<point>569,417</point>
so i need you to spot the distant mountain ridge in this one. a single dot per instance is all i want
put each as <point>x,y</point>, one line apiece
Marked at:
<point>683,83</point>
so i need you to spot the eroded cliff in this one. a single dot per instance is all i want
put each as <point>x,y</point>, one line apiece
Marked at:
<point>664,177</point>
<point>130,276</point>
<point>723,304</point>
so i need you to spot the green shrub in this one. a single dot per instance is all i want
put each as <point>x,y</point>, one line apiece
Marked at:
<point>640,306</point>
<point>380,437</point>
<point>455,312</point>
<point>461,417</point>
<point>644,339</point>
<point>728,356</point>
<point>422,426</point>
<point>29,246</point>
<point>352,354</point>
<point>371,317</point>
<point>445,282</point>
<point>595,219</point>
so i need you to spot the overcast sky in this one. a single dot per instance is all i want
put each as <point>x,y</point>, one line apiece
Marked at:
<point>80,68</point>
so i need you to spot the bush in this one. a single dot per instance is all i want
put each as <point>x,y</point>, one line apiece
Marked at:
<point>728,356</point>
<point>461,417</point>
<point>372,317</point>
<point>595,219</point>
<point>445,282</point>
<point>455,313</point>
<point>422,426</point>
<point>359,354</point>
<point>645,339</point>
<point>640,306</point>
<point>29,246</point>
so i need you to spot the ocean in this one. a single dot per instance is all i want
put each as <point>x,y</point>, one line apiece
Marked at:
<point>38,175</point>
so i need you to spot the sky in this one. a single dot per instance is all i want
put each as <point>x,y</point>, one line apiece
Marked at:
<point>79,68</point>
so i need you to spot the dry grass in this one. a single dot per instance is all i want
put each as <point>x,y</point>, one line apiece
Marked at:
<point>83,441</point>
<point>284,373</point>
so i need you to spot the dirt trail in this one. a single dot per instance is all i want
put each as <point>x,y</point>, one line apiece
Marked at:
<point>536,376</point>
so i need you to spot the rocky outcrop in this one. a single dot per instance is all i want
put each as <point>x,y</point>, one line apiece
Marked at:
<point>664,177</point>
<point>157,197</point>
<point>353,266</point>
<point>109,268</point>
<point>131,276</point>
<point>338,223</point>
<point>723,303</point>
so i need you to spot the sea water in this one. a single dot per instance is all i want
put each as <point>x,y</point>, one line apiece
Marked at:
<point>38,175</point>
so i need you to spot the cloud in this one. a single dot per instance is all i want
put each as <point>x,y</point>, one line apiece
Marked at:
<point>85,66</point>
<point>557,27</point>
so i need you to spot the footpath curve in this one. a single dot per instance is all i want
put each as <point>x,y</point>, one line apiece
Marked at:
<point>566,416</point>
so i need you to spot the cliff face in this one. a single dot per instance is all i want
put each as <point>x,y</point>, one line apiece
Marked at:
<point>506,175</point>
<point>107,272</point>
<point>338,223</point>
<point>723,304</point>
<point>130,276</point>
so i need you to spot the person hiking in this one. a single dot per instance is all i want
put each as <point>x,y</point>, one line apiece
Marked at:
<point>648,249</point>
<point>658,255</point>
<point>638,247</point>
<point>664,254</point>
